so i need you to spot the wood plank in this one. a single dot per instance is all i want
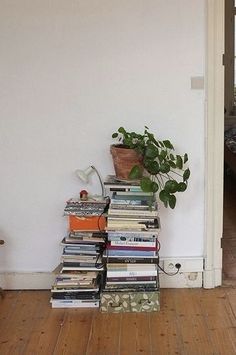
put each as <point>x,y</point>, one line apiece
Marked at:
<point>19,329</point>
<point>231,296</point>
<point>105,334</point>
<point>220,320</point>
<point>164,331</point>
<point>7,314</point>
<point>135,334</point>
<point>46,328</point>
<point>191,322</point>
<point>74,334</point>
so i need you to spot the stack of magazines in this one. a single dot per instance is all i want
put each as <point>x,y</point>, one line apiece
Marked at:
<point>80,273</point>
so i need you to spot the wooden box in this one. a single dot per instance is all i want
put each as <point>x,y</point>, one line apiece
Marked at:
<point>119,302</point>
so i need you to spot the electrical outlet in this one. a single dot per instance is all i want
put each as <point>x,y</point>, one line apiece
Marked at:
<point>193,264</point>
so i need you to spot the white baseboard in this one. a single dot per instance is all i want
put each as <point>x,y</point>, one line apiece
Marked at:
<point>189,276</point>
<point>26,280</point>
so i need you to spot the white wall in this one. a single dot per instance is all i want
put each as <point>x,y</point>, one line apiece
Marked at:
<point>71,73</point>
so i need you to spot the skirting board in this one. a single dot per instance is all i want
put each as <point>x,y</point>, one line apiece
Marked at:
<point>191,276</point>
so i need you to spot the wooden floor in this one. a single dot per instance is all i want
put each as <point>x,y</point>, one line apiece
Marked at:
<point>229,231</point>
<point>191,321</point>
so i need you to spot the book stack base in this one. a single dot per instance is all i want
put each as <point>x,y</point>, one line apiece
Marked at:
<point>118,302</point>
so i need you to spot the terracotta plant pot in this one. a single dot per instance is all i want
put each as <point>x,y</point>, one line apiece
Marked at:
<point>124,159</point>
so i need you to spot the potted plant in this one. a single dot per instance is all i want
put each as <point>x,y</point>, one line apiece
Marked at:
<point>157,166</point>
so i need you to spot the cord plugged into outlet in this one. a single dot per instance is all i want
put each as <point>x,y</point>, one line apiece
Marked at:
<point>178,266</point>
<point>171,266</point>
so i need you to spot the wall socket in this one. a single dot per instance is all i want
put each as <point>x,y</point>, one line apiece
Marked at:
<point>187,264</point>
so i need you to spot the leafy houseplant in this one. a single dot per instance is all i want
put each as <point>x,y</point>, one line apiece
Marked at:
<point>162,170</point>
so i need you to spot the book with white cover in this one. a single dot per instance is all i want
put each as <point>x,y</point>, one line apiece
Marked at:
<point>133,244</point>
<point>130,273</point>
<point>130,267</point>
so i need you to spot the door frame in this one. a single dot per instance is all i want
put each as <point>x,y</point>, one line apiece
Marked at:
<point>214,143</point>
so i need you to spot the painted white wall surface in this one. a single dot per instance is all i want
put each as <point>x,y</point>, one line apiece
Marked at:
<point>71,73</point>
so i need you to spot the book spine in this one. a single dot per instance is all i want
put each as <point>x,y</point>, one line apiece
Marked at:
<point>133,248</point>
<point>132,244</point>
<point>131,273</point>
<point>134,193</point>
<point>124,212</point>
<point>132,278</point>
<point>130,260</point>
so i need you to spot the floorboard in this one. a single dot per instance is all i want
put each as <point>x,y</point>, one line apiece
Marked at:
<point>190,322</point>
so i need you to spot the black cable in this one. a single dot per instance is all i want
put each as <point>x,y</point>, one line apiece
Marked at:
<point>103,234</point>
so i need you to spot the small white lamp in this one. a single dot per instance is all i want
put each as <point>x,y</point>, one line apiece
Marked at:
<point>84,176</point>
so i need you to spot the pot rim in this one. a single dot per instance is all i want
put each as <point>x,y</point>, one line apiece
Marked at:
<point>121,146</point>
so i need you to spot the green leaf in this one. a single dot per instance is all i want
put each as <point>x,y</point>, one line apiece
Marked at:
<point>163,154</point>
<point>172,157</point>
<point>151,151</point>
<point>164,196</point>
<point>179,162</point>
<point>155,186</point>
<point>146,184</point>
<point>164,168</point>
<point>172,164</point>
<point>182,186</point>
<point>186,175</point>
<point>171,186</point>
<point>122,130</point>
<point>185,158</point>
<point>172,201</point>
<point>168,144</point>
<point>152,167</point>
<point>114,135</point>
<point>152,139</point>
<point>136,172</point>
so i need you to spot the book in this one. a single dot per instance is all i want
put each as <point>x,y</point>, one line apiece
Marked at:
<point>131,273</point>
<point>131,200</point>
<point>123,283</point>
<point>131,213</point>
<point>75,295</point>
<point>80,268</point>
<point>131,253</point>
<point>135,225</point>
<point>74,304</point>
<point>133,207</point>
<point>113,181</point>
<point>121,243</point>
<point>131,235</point>
<point>154,259</point>
<point>131,194</point>
<point>82,240</point>
<point>131,248</point>
<point>129,279</point>
<point>128,267</point>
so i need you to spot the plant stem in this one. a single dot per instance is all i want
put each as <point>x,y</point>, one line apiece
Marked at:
<point>174,172</point>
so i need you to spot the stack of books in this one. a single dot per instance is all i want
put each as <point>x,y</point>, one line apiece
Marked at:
<point>80,274</point>
<point>86,215</point>
<point>131,253</point>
